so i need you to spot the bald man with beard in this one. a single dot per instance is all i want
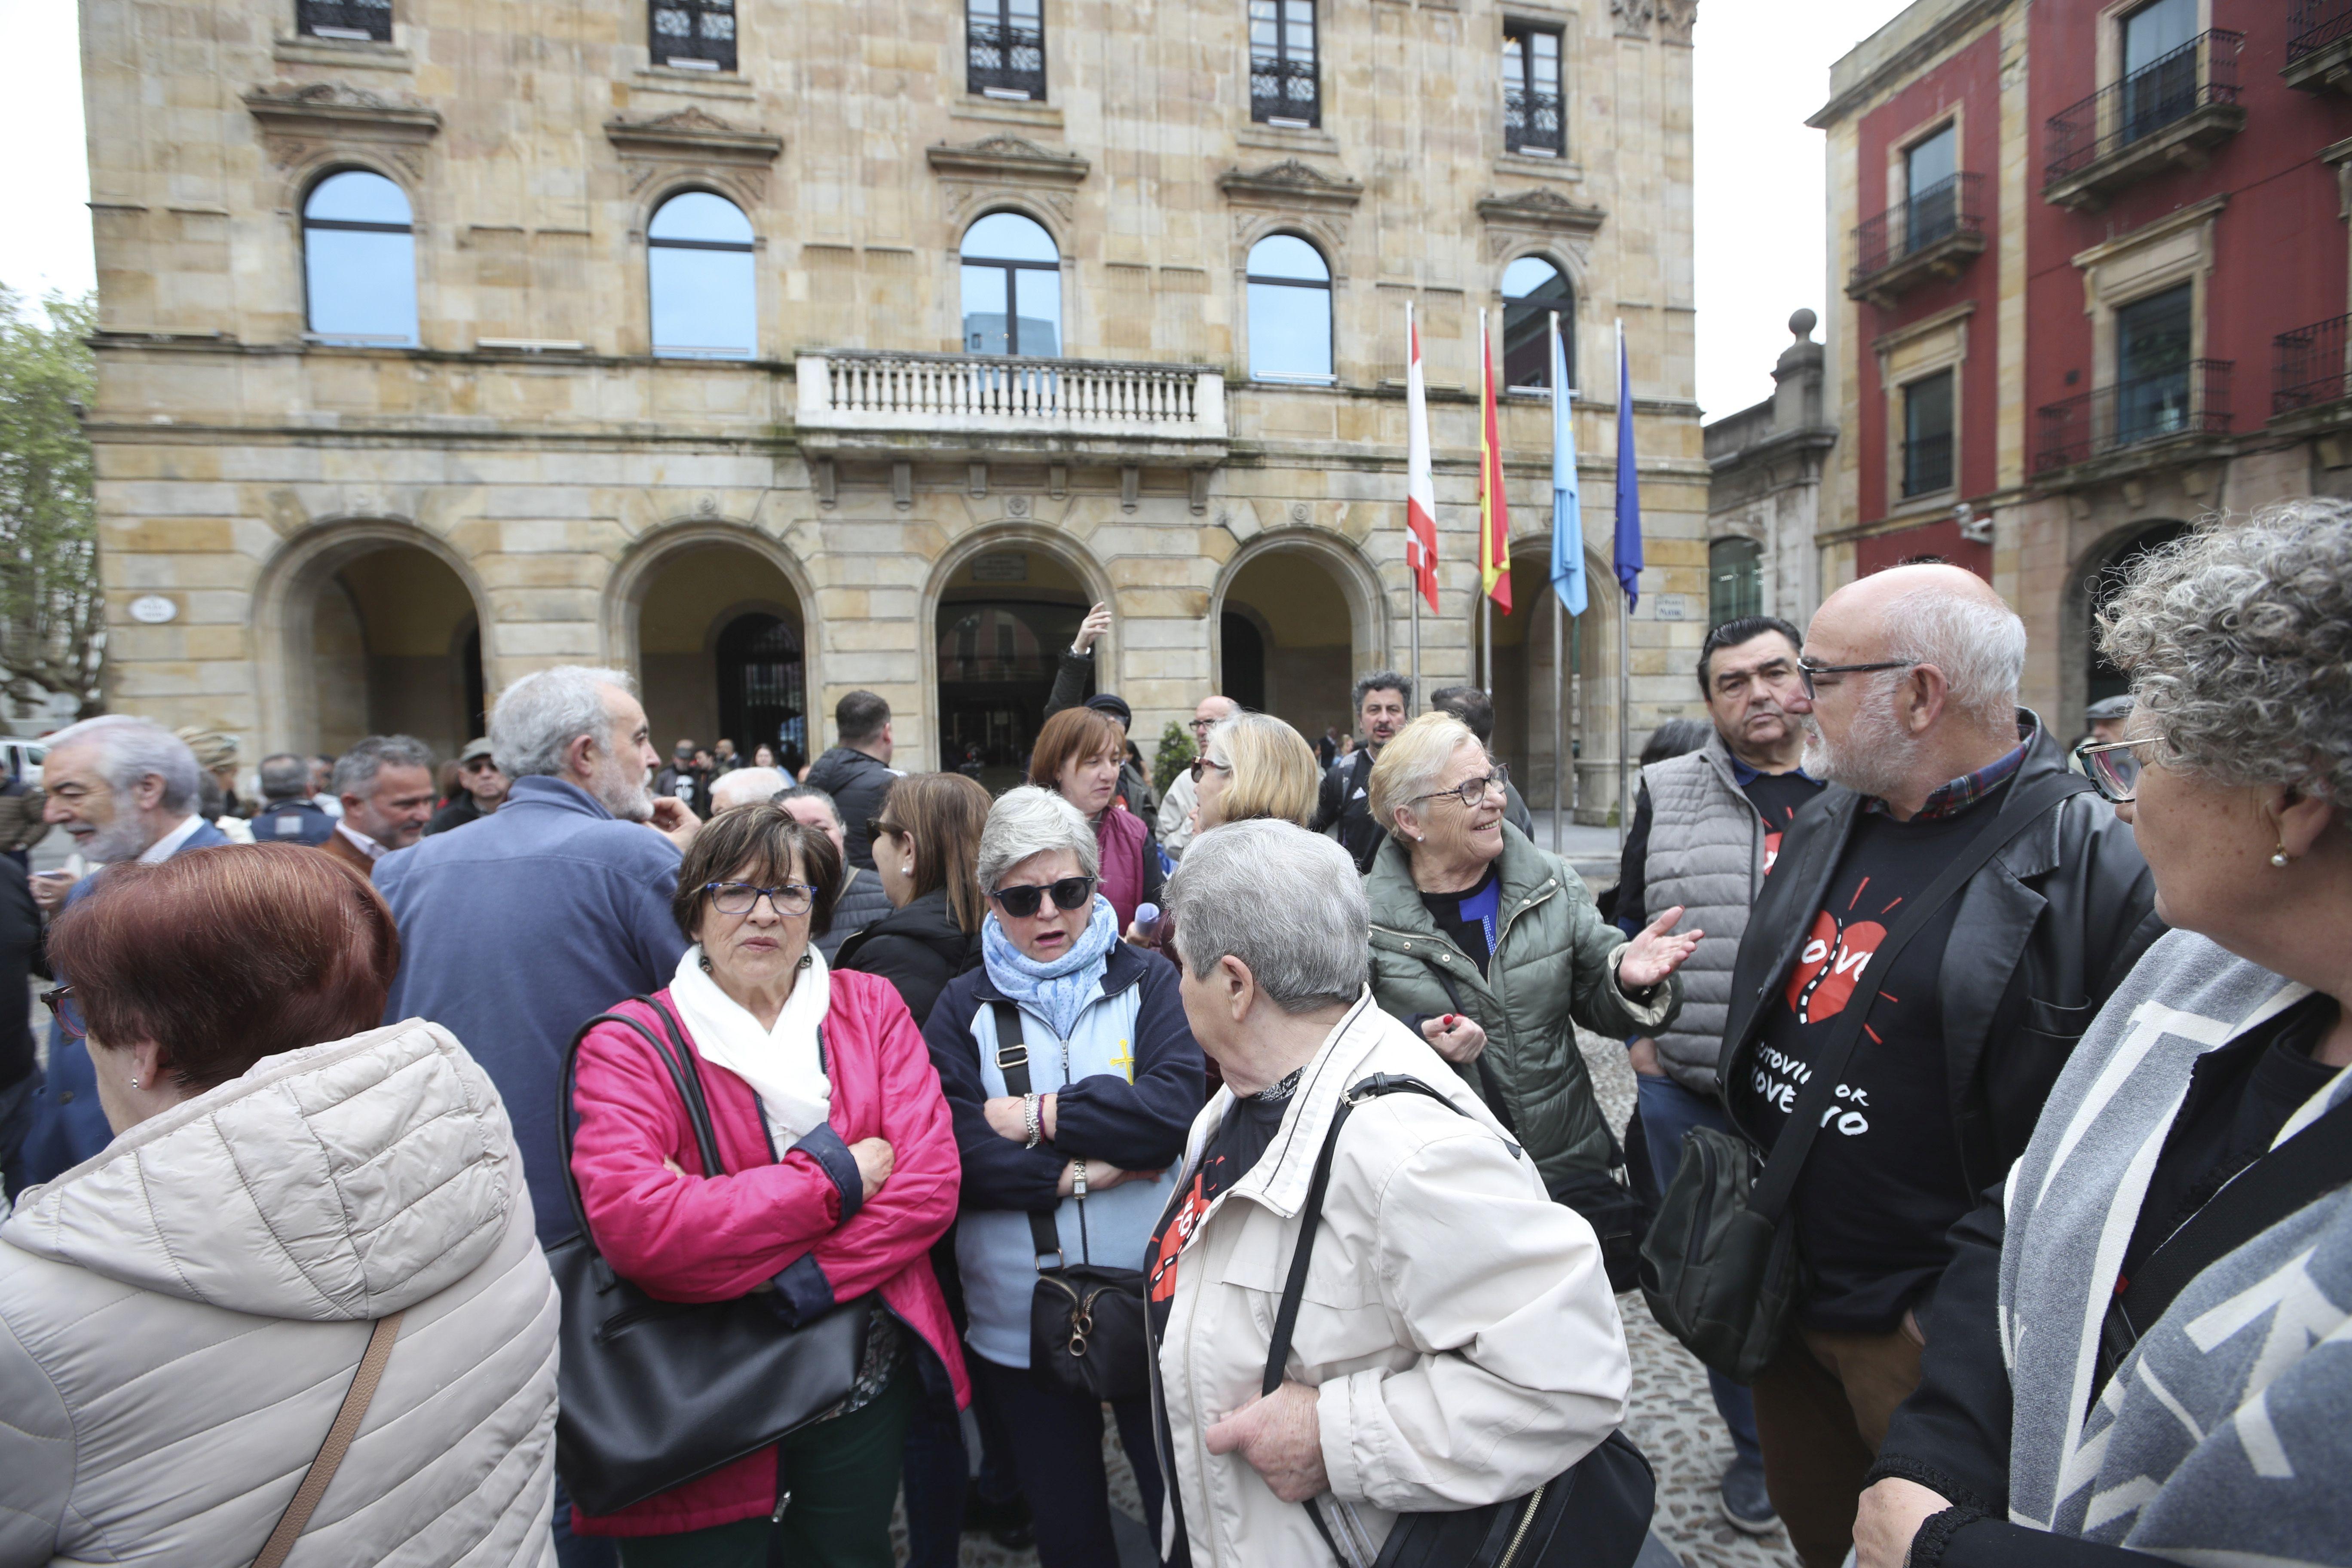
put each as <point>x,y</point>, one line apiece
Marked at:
<point>1912,676</point>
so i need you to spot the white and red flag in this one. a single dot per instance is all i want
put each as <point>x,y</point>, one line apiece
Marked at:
<point>1420,490</point>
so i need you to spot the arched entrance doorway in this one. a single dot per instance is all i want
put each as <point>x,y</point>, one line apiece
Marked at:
<point>2102,579</point>
<point>1004,617</point>
<point>720,645</point>
<point>1527,685</point>
<point>391,644</point>
<point>1288,641</point>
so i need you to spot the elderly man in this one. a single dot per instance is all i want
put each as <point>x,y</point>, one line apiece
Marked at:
<point>1912,676</point>
<point>481,788</point>
<point>862,900</point>
<point>857,772</point>
<point>288,813</point>
<point>1176,810</point>
<point>1383,703</point>
<point>125,790</point>
<point>747,786</point>
<point>1456,1344</point>
<point>385,783</point>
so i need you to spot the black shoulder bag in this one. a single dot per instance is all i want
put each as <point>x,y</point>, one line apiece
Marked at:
<point>1086,1319</point>
<point>1720,1267</point>
<point>654,1393</point>
<point>1594,1514</point>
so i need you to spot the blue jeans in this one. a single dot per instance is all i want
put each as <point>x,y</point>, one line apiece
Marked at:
<point>1669,1111</point>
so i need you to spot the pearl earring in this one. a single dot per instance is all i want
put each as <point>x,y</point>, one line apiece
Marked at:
<point>134,1083</point>
<point>2278,857</point>
<point>906,870</point>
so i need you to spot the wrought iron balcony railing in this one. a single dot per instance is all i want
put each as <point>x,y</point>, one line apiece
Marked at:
<point>1005,61</point>
<point>1006,404</point>
<point>1282,88</point>
<point>1532,122</point>
<point>352,19</point>
<point>2193,400</point>
<point>2199,75</point>
<point>2311,368</point>
<point>1944,222</point>
<point>2313,25</point>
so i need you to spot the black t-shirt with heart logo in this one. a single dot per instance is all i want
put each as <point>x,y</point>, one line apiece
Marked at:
<point>1884,1181</point>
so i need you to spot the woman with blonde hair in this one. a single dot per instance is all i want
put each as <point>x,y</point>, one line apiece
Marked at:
<point>1253,765</point>
<point>924,844</point>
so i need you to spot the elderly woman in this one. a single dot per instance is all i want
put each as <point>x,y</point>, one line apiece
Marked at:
<point>1078,756</point>
<point>840,1173</point>
<point>1253,765</point>
<point>926,843</point>
<point>2182,1388</point>
<point>1114,1079</point>
<point>289,1189</point>
<point>1456,1344</point>
<point>1491,949</point>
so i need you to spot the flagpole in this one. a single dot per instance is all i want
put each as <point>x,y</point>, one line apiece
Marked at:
<point>1414,565</point>
<point>1559,641</point>
<point>1624,665</point>
<point>1485,662</point>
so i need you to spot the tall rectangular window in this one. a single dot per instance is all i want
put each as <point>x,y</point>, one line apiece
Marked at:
<point>353,19</point>
<point>1931,195</point>
<point>695,35</point>
<point>1533,118</point>
<point>2159,62</point>
<point>1927,435</point>
<point>1004,49</point>
<point>1283,85</point>
<point>2153,337</point>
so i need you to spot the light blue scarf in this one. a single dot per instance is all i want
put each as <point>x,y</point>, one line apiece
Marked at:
<point>1058,991</point>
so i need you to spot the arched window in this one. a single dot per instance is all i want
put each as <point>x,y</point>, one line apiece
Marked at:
<point>1532,289</point>
<point>1289,310</point>
<point>1011,288</point>
<point>359,261</point>
<point>699,268</point>
<point>1735,580</point>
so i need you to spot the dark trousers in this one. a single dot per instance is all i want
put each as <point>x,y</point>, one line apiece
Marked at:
<point>1822,1409</point>
<point>938,1474</point>
<point>1057,1454</point>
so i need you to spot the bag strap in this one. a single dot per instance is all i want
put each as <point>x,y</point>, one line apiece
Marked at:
<point>330,1457</point>
<point>2025,805</point>
<point>683,1077</point>
<point>1013,1061</point>
<point>2299,1172</point>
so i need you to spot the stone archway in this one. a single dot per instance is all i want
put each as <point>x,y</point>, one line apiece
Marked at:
<point>1298,614</point>
<point>1526,682</point>
<point>2084,676</point>
<point>1000,609</point>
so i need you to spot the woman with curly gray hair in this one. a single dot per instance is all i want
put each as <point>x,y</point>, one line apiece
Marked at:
<point>2168,1373</point>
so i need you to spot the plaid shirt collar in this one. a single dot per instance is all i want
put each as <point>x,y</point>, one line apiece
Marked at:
<point>1951,799</point>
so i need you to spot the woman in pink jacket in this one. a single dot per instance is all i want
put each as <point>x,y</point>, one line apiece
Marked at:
<point>844,1172</point>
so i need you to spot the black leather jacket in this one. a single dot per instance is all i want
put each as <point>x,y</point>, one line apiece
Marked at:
<point>2045,931</point>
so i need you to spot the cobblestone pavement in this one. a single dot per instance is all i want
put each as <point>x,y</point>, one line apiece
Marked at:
<point>1671,1417</point>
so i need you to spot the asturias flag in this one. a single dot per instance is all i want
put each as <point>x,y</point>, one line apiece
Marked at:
<point>1420,490</point>
<point>1629,488</point>
<point>1567,504</point>
<point>1494,506</point>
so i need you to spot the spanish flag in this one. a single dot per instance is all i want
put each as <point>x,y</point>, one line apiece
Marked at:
<point>1494,506</point>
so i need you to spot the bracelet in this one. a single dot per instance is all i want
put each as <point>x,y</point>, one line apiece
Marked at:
<point>1032,1120</point>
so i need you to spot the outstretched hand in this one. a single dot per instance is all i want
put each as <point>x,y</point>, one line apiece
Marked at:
<point>1656,952</point>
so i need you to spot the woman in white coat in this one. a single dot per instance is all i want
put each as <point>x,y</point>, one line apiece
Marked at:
<point>1456,1344</point>
<point>183,1315</point>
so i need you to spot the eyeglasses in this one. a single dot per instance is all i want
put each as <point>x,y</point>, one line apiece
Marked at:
<point>2113,767</point>
<point>1070,893</point>
<point>59,1000</point>
<point>1808,669</point>
<point>741,898</point>
<point>1200,762</point>
<point>1471,792</point>
<point>1200,726</point>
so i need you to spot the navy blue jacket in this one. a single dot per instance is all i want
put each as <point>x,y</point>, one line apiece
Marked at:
<point>69,1125</point>
<point>293,822</point>
<point>516,928</point>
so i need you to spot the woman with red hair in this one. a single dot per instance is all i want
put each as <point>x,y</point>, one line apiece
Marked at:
<point>1077,756</point>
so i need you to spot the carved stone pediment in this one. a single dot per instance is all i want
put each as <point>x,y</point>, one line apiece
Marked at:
<point>1007,160</point>
<point>1545,211</point>
<point>692,135</point>
<point>1290,186</point>
<point>299,122</point>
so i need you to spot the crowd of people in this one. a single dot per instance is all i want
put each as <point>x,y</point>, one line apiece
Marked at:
<point>1252,1115</point>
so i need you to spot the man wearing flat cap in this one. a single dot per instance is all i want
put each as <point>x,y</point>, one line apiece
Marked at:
<point>481,788</point>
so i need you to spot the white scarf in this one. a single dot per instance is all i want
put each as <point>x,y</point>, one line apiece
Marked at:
<point>784,1064</point>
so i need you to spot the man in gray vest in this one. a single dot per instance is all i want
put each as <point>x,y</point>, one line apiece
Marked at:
<point>1707,828</point>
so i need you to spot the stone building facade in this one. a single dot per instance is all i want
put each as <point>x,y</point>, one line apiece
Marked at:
<point>1763,499</point>
<point>326,531</point>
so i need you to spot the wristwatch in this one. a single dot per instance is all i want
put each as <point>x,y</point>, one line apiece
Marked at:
<point>1079,1180</point>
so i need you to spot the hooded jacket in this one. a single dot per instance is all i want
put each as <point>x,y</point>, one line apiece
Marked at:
<point>918,948</point>
<point>1554,966</point>
<point>1456,1323</point>
<point>857,783</point>
<point>182,1315</point>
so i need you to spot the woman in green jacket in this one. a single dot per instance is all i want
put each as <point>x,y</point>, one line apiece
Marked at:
<point>1492,949</point>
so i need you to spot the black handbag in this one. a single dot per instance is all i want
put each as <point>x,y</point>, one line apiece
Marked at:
<point>1594,1514</point>
<point>1087,1319</point>
<point>654,1393</point>
<point>1720,1269</point>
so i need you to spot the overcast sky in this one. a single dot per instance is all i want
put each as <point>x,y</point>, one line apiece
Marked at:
<point>1762,67</point>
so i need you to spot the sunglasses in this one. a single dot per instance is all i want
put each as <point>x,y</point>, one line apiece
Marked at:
<point>876,828</point>
<point>1200,765</point>
<point>59,1000</point>
<point>1070,893</point>
<point>2113,767</point>
<point>741,897</point>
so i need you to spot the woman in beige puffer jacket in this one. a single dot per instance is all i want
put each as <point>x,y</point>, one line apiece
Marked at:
<point>181,1316</point>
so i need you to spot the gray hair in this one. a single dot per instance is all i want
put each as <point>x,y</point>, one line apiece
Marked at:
<point>129,750</point>
<point>791,791</point>
<point>356,770</point>
<point>1979,645</point>
<point>1381,680</point>
<point>2238,640</point>
<point>1285,902</point>
<point>539,716</point>
<point>1409,767</point>
<point>750,786</point>
<point>285,776</point>
<point>1032,821</point>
